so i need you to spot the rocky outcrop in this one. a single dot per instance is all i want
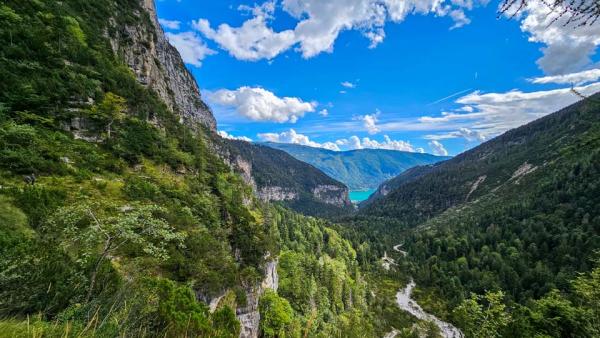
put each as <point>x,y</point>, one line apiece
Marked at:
<point>475,185</point>
<point>158,65</point>
<point>523,170</point>
<point>249,315</point>
<point>268,194</point>
<point>332,194</point>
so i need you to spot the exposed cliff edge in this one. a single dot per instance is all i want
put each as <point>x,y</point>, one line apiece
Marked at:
<point>332,194</point>
<point>249,315</point>
<point>158,65</point>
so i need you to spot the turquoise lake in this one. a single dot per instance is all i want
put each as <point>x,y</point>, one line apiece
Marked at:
<point>359,196</point>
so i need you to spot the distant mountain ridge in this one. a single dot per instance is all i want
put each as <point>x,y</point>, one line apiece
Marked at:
<point>277,176</point>
<point>360,169</point>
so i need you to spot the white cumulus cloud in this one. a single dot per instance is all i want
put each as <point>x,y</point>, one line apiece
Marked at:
<point>192,49</point>
<point>350,143</point>
<point>254,40</point>
<point>170,24</point>
<point>226,135</point>
<point>485,115</point>
<point>466,133</point>
<point>293,137</point>
<point>495,113</point>
<point>354,142</point>
<point>348,84</point>
<point>369,122</point>
<point>319,23</point>
<point>568,48</point>
<point>259,104</point>
<point>437,148</point>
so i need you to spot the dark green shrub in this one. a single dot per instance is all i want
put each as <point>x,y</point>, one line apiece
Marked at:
<point>141,189</point>
<point>225,323</point>
<point>38,202</point>
<point>179,312</point>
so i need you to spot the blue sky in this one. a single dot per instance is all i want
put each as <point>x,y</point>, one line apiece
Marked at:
<point>417,75</point>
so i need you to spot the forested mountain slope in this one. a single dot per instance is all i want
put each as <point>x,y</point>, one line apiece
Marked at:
<point>423,192</point>
<point>360,169</point>
<point>518,214</point>
<point>118,218</point>
<point>277,176</point>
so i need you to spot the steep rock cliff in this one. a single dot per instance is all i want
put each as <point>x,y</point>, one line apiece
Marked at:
<point>249,315</point>
<point>157,64</point>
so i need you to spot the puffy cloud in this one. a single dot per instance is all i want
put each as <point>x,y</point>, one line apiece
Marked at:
<point>254,40</point>
<point>170,24</point>
<point>192,49</point>
<point>387,143</point>
<point>354,142</point>
<point>471,135</point>
<point>437,148</point>
<point>578,78</point>
<point>266,9</point>
<point>226,135</point>
<point>293,137</point>
<point>348,84</point>
<point>259,104</point>
<point>460,18</point>
<point>568,47</point>
<point>324,112</point>
<point>369,122</point>
<point>351,143</point>
<point>319,24</point>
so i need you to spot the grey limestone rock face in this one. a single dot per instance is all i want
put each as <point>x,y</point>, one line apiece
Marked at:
<point>249,315</point>
<point>158,65</point>
<point>276,194</point>
<point>332,194</point>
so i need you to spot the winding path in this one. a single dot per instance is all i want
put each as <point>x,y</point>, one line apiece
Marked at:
<point>406,303</point>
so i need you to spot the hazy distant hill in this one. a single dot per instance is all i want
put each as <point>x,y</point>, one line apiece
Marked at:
<point>359,169</point>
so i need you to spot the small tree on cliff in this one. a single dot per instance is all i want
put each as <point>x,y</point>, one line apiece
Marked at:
<point>111,109</point>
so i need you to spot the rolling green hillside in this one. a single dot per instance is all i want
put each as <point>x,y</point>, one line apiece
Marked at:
<point>361,169</point>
